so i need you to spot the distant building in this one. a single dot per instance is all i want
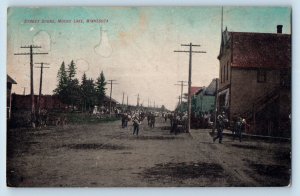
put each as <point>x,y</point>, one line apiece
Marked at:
<point>204,100</point>
<point>255,80</point>
<point>182,107</point>
<point>106,102</point>
<point>48,102</point>
<point>9,83</point>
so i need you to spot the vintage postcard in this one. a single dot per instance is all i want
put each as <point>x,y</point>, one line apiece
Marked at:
<point>149,96</point>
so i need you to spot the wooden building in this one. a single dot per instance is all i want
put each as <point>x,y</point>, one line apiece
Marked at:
<point>255,80</point>
<point>204,100</point>
<point>9,83</point>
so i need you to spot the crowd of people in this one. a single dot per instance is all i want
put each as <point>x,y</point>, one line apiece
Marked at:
<point>179,122</point>
<point>137,117</point>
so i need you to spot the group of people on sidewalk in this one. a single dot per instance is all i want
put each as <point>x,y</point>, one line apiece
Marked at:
<point>238,127</point>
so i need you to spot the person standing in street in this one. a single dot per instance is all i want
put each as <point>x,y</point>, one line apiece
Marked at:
<point>136,125</point>
<point>221,119</point>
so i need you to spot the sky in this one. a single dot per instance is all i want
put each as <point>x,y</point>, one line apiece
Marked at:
<point>133,45</point>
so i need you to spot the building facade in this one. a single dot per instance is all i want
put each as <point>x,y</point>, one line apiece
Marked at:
<point>9,84</point>
<point>255,80</point>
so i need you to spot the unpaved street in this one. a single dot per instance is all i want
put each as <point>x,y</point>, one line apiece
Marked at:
<point>106,155</point>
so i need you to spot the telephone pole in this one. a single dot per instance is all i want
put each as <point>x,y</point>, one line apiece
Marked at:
<point>216,107</point>
<point>138,100</point>
<point>182,85</point>
<point>31,53</point>
<point>24,90</point>
<point>190,51</point>
<point>111,85</point>
<point>41,83</point>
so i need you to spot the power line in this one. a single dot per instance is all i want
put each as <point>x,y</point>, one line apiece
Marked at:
<point>31,53</point>
<point>190,51</point>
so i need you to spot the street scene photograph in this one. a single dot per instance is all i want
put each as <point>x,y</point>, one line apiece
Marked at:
<point>149,96</point>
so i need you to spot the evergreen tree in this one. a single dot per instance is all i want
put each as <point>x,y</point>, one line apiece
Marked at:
<point>71,70</point>
<point>62,83</point>
<point>73,93</point>
<point>91,93</point>
<point>73,88</point>
<point>83,89</point>
<point>100,87</point>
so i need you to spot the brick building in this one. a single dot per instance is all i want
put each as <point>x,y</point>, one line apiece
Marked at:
<point>255,80</point>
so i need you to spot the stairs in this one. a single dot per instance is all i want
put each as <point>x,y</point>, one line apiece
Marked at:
<point>260,103</point>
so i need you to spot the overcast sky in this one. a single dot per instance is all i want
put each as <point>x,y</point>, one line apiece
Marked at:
<point>134,46</point>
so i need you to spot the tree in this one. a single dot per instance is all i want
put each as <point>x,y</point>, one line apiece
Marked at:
<point>71,70</point>
<point>88,93</point>
<point>73,93</point>
<point>100,87</point>
<point>62,83</point>
<point>82,90</point>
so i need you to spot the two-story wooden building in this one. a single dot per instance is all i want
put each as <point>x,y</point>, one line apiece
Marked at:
<point>255,80</point>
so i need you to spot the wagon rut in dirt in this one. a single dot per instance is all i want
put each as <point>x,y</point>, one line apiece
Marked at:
<point>184,170</point>
<point>95,146</point>
<point>144,137</point>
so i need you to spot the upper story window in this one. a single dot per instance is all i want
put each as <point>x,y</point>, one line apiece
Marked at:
<point>261,75</point>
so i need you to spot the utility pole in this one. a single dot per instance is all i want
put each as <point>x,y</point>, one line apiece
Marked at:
<point>123,101</point>
<point>24,90</point>
<point>182,85</point>
<point>111,85</point>
<point>216,108</point>
<point>41,83</point>
<point>138,100</point>
<point>31,53</point>
<point>127,101</point>
<point>190,51</point>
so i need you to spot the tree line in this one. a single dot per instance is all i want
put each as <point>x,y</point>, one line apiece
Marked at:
<point>84,94</point>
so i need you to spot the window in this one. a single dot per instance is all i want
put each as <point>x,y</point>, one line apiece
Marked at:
<point>261,75</point>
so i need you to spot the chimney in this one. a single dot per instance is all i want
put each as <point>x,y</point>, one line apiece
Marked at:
<point>279,29</point>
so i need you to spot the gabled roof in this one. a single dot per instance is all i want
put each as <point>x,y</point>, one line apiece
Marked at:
<point>266,50</point>
<point>257,50</point>
<point>195,89</point>
<point>10,80</point>
<point>211,89</point>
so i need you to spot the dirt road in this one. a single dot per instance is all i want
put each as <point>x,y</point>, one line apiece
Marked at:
<point>106,155</point>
